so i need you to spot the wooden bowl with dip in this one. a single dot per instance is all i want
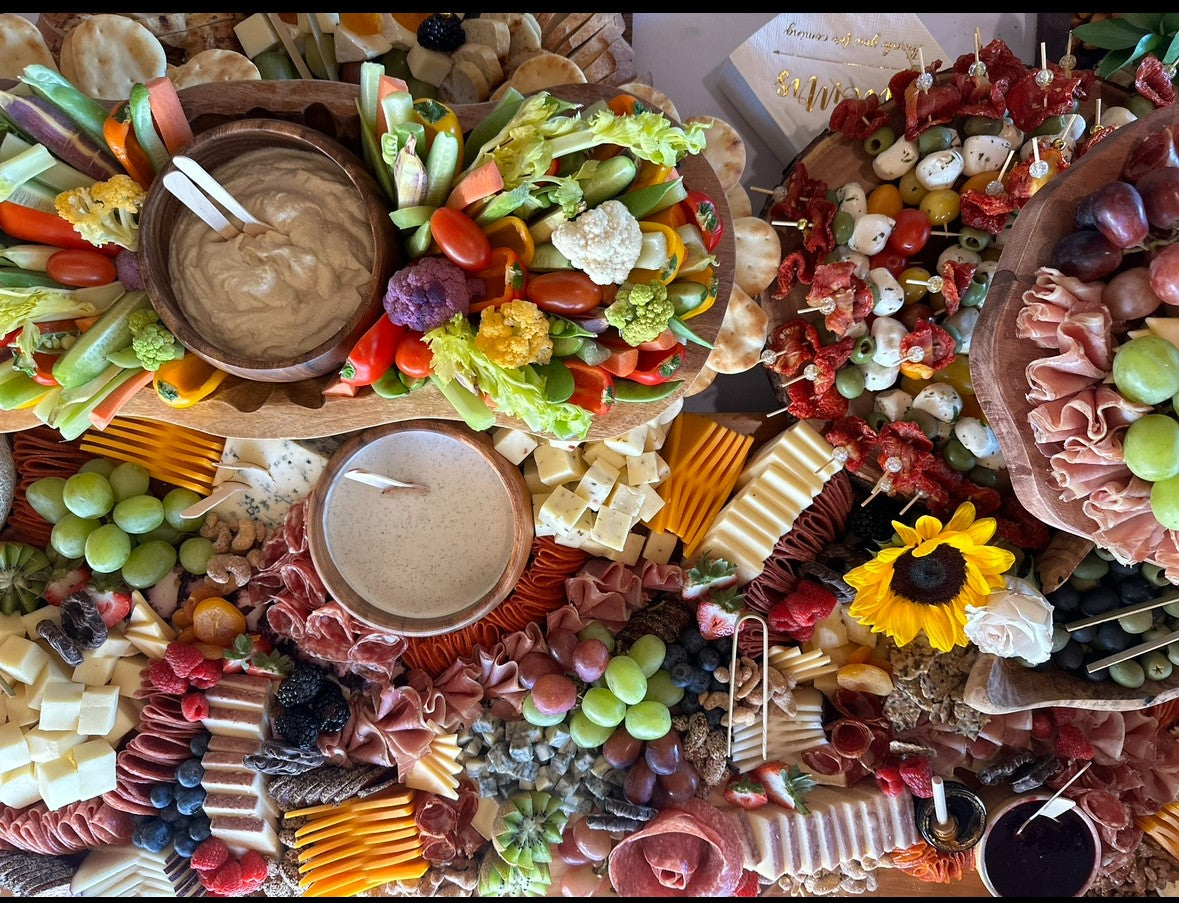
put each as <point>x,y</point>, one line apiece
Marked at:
<point>415,562</point>
<point>349,305</point>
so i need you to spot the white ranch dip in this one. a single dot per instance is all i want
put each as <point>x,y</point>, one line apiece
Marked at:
<point>282,293</point>
<point>421,555</point>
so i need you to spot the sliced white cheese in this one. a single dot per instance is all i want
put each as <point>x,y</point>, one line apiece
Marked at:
<point>95,671</point>
<point>514,445</point>
<point>126,720</point>
<point>659,546</point>
<point>127,674</point>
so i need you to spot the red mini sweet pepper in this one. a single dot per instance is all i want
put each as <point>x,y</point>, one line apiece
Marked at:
<point>373,355</point>
<point>593,387</point>
<point>504,278</point>
<point>656,367</point>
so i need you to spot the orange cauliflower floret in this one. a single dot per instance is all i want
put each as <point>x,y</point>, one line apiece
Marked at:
<point>515,334</point>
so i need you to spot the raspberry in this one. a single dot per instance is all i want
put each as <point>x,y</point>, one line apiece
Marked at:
<point>917,774</point>
<point>799,612</point>
<point>194,706</point>
<point>1061,715</point>
<point>747,886</point>
<point>211,854</point>
<point>225,880</point>
<point>183,659</point>
<point>1042,726</point>
<point>255,868</point>
<point>1072,744</point>
<point>163,678</point>
<point>889,780</point>
<point>207,673</point>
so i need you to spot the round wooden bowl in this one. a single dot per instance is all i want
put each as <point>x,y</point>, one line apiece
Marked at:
<point>161,211</point>
<point>338,587</point>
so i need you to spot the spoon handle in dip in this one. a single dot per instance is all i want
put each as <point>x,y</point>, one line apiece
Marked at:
<point>188,194</point>
<point>378,481</point>
<point>220,493</point>
<point>251,225</point>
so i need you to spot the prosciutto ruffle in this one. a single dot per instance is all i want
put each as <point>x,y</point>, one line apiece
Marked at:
<point>1050,300</point>
<point>1125,524</point>
<point>388,728</point>
<point>454,700</point>
<point>1094,413</point>
<point>1084,339</point>
<point>445,825</point>
<point>606,591</point>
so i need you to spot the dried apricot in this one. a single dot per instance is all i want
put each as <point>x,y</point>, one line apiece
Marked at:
<point>217,621</point>
<point>865,679</point>
<point>860,656</point>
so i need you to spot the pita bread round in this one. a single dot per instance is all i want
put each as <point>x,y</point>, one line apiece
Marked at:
<point>740,204</point>
<point>21,44</point>
<point>759,254</point>
<point>214,66</point>
<point>105,55</point>
<point>742,335</point>
<point>652,96</point>
<point>703,380</point>
<point>725,150</point>
<point>545,70</point>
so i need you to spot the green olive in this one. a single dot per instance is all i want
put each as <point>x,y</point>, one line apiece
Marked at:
<point>973,239</point>
<point>877,420</point>
<point>911,190</point>
<point>864,349</point>
<point>1172,609</point>
<point>1157,666</point>
<point>849,382</point>
<point>984,476</point>
<point>842,227</point>
<point>935,139</point>
<point>976,292</point>
<point>1139,106</point>
<point>955,334</point>
<point>1060,638</point>
<point>1103,554</point>
<point>1155,633</point>
<point>1154,575</point>
<point>1053,125</point>
<point>983,125</point>
<point>1091,567</point>
<point>832,257</point>
<point>880,140</point>
<point>1081,584</point>
<point>1128,674</point>
<point>958,456</point>
<point>1137,623</point>
<point>832,196</point>
<point>928,423</point>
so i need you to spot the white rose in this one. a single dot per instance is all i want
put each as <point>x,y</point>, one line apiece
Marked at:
<point>1016,622</point>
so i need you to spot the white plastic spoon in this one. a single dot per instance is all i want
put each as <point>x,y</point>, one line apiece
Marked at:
<point>388,484</point>
<point>251,225</point>
<point>190,196</point>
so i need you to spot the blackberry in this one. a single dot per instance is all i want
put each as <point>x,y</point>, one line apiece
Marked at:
<point>298,726</point>
<point>874,521</point>
<point>301,686</point>
<point>331,708</point>
<point>442,32</point>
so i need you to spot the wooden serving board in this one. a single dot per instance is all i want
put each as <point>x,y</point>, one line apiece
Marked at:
<point>299,410</point>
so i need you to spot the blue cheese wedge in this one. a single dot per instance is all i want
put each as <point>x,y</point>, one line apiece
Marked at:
<point>293,469</point>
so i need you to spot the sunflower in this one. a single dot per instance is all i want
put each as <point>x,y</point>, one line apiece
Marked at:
<point>927,582</point>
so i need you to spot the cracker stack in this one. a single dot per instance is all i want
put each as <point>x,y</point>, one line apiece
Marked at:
<point>595,42</point>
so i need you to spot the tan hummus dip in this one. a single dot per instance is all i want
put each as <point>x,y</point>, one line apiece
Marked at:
<point>282,293</point>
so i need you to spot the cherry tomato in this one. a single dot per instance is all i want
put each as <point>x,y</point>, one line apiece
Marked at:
<point>891,260</point>
<point>910,233</point>
<point>460,239</point>
<point>886,199</point>
<point>414,357</point>
<point>706,217</point>
<point>81,268</point>
<point>565,292</point>
<point>911,313</point>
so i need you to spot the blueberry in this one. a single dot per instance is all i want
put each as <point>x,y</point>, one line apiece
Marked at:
<point>189,773</point>
<point>708,659</point>
<point>190,800</point>
<point>700,681</point>
<point>1134,590</point>
<point>682,674</point>
<point>714,717</point>
<point>172,813</point>
<point>724,646</point>
<point>690,704</point>
<point>1099,676</point>
<point>162,795</point>
<point>1085,634</point>
<point>1123,570</point>
<point>1111,637</point>
<point>1071,657</point>
<point>199,827</point>
<point>1065,598</point>
<point>184,845</point>
<point>1099,600</point>
<point>152,836</point>
<point>674,654</point>
<point>200,744</point>
<point>692,641</point>
<point>715,686</point>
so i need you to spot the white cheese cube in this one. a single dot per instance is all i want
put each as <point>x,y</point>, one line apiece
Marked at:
<point>46,745</point>
<point>11,625</point>
<point>558,465</point>
<point>95,671</point>
<point>662,468</point>
<point>515,445</point>
<point>596,549</point>
<point>58,783</point>
<point>597,483</point>
<point>627,499</point>
<point>21,660</point>
<point>611,528</point>
<point>53,672</point>
<point>576,536</point>
<point>630,552</point>
<point>532,478</point>
<point>126,720</point>
<point>116,646</point>
<point>18,788</point>
<point>642,468</point>
<point>652,503</point>
<point>95,764</point>
<point>630,443</point>
<point>14,748</point>
<point>563,509</point>
<point>656,434</point>
<point>19,712</point>
<point>255,35</point>
<point>659,547</point>
<point>538,501</point>
<point>429,66</point>
<point>600,451</point>
<point>61,704</point>
<point>354,48</point>
<point>97,711</point>
<point>33,618</point>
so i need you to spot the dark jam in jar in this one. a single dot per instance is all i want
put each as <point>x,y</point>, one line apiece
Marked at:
<point>1049,859</point>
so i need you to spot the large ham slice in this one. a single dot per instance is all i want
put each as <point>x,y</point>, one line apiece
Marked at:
<point>1053,298</point>
<point>1094,412</point>
<point>1084,357</point>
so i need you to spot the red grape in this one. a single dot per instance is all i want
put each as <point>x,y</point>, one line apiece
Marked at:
<point>535,665</point>
<point>681,784</point>
<point>583,881</point>
<point>1119,214</point>
<point>622,750</point>
<point>561,644</point>
<point>1128,295</point>
<point>590,658</point>
<point>569,852</point>
<point>554,694</point>
<point>1164,274</point>
<point>1160,196</point>
<point>1087,254</point>
<point>639,784</point>
<point>891,260</point>
<point>664,755</point>
<point>595,845</point>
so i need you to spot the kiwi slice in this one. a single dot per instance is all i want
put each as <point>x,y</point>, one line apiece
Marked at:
<point>526,826</point>
<point>499,879</point>
<point>24,571</point>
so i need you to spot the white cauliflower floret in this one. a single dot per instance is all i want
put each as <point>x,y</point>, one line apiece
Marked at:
<point>603,242</point>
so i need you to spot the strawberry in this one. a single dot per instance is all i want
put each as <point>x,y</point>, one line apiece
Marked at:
<point>708,574</point>
<point>65,582</point>
<point>786,785</point>
<point>274,665</point>
<point>113,604</point>
<point>748,886</point>
<point>746,792</point>
<point>1042,726</point>
<point>237,656</point>
<point>717,613</point>
<point>254,654</point>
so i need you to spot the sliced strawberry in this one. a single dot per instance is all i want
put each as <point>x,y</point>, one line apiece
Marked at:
<point>746,792</point>
<point>786,785</point>
<point>274,665</point>
<point>113,604</point>
<point>718,612</point>
<point>65,582</point>
<point>708,574</point>
<point>237,656</point>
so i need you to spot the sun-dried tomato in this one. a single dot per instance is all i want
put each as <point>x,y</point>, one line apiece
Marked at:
<point>820,239</point>
<point>857,439</point>
<point>837,284</point>
<point>829,359</point>
<point>1001,63</point>
<point>1029,104</point>
<point>981,96</point>
<point>794,269</point>
<point>904,441</point>
<point>937,347</point>
<point>800,190</point>
<point>1153,82</point>
<point>925,109</point>
<point>988,212</point>
<point>900,81</point>
<point>805,404</point>
<point>798,340</point>
<point>1021,185</point>
<point>957,276</point>
<point>857,118</point>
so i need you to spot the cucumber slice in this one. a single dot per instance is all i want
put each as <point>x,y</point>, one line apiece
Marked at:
<point>441,164</point>
<point>491,124</point>
<point>274,65</point>
<point>645,201</point>
<point>542,230</point>
<point>546,258</point>
<point>412,217</point>
<point>610,179</point>
<point>419,243</point>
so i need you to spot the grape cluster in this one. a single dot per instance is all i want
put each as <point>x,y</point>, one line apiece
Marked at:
<point>1099,586</point>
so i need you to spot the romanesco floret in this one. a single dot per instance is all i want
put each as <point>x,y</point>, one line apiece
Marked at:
<point>641,312</point>
<point>515,334</point>
<point>604,242</point>
<point>151,341</point>
<point>105,212</point>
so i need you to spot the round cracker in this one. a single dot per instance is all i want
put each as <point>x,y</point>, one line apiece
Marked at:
<point>652,96</point>
<point>759,254</point>
<point>545,70</point>
<point>214,66</point>
<point>105,55</point>
<point>703,380</point>
<point>740,204</point>
<point>742,335</point>
<point>725,150</point>
<point>21,44</point>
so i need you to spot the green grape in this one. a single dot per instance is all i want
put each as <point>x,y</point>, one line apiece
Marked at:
<point>532,716</point>
<point>1164,502</point>
<point>626,680</point>
<point>585,733</point>
<point>596,630</point>
<point>195,554</point>
<point>69,535</point>
<point>1172,609</point>
<point>139,514</point>
<point>661,689</point>
<point>648,720</point>
<point>164,531</point>
<point>175,502</point>
<point>148,564</point>
<point>1154,574</point>
<point>1155,633</point>
<point>107,549</point>
<point>603,708</point>
<point>1173,652</point>
<point>648,650</point>
<point>104,466</point>
<point>1128,674</point>
<point>1146,369</point>
<point>88,495</point>
<point>45,497</point>
<point>1157,666</point>
<point>128,480</point>
<point>1092,567</point>
<point>1137,623</point>
<point>1151,447</point>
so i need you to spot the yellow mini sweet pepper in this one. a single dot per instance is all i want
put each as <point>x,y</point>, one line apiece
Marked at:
<point>182,383</point>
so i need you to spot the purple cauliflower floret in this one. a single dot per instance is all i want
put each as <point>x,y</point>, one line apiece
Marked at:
<point>127,268</point>
<point>430,292</point>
